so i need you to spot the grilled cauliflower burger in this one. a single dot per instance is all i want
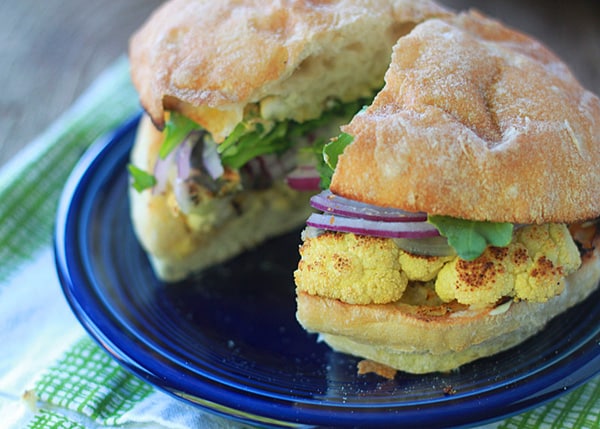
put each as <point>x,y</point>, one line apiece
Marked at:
<point>462,212</point>
<point>237,95</point>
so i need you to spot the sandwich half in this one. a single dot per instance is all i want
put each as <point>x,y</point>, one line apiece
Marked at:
<point>463,207</point>
<point>237,96</point>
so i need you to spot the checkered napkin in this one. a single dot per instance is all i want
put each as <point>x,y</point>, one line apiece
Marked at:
<point>52,375</point>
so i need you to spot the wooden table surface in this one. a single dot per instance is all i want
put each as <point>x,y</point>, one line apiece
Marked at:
<point>51,50</point>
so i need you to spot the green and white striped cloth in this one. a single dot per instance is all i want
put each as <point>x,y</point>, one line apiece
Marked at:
<point>52,375</point>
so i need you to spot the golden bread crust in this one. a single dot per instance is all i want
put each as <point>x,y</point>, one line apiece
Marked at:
<point>476,121</point>
<point>210,59</point>
<point>433,337</point>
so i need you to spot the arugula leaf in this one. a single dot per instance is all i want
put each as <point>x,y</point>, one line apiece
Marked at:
<point>327,154</point>
<point>325,172</point>
<point>326,161</point>
<point>176,130</point>
<point>333,149</point>
<point>239,130</point>
<point>249,138</point>
<point>470,238</point>
<point>141,179</point>
<point>244,146</point>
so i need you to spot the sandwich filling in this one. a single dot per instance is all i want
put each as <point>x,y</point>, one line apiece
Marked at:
<point>363,269</point>
<point>199,174</point>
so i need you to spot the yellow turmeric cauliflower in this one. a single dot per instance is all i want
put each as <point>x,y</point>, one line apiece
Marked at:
<point>353,268</point>
<point>554,256</point>
<point>422,268</point>
<point>360,269</point>
<point>365,270</point>
<point>531,268</point>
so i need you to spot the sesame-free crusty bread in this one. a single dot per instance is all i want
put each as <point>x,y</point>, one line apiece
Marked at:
<point>211,59</point>
<point>215,60</point>
<point>476,121</point>
<point>419,337</point>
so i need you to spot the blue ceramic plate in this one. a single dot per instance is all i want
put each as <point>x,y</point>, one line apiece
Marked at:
<point>229,341</point>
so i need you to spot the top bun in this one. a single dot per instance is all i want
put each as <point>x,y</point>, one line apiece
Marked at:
<point>480,122</point>
<point>210,59</point>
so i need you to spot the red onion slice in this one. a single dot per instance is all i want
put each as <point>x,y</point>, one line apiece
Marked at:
<point>330,203</point>
<point>212,160</point>
<point>371,227</point>
<point>184,161</point>
<point>304,178</point>
<point>161,171</point>
<point>181,190</point>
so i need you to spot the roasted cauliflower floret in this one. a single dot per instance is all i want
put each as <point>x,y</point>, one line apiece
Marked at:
<point>352,268</point>
<point>554,255</point>
<point>422,268</point>
<point>360,269</point>
<point>531,268</point>
<point>484,280</point>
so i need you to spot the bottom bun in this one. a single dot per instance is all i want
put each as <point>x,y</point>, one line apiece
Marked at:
<point>177,252</point>
<point>421,338</point>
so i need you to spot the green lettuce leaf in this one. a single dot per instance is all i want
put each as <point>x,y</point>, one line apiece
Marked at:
<point>246,143</point>
<point>333,149</point>
<point>322,168</point>
<point>327,156</point>
<point>141,180</point>
<point>470,238</point>
<point>251,138</point>
<point>176,130</point>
